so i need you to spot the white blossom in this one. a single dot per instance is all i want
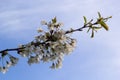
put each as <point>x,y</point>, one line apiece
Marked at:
<point>73,42</point>
<point>39,30</point>
<point>43,22</point>
<point>9,64</point>
<point>3,69</point>
<point>59,64</point>
<point>14,60</point>
<point>33,59</point>
<point>50,26</point>
<point>60,24</point>
<point>45,58</point>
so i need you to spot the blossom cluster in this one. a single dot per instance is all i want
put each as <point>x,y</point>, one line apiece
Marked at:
<point>11,61</point>
<point>49,46</point>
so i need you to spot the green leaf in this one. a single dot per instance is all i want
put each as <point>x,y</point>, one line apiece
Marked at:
<point>104,25</point>
<point>85,19</point>
<point>54,20</point>
<point>99,15</point>
<point>97,27</point>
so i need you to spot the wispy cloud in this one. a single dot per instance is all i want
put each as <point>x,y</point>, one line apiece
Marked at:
<point>103,60</point>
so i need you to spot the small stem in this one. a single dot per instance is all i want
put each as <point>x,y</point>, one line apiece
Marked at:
<point>13,49</point>
<point>89,24</point>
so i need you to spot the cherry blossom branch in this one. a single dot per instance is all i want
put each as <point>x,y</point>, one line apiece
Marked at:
<point>87,25</point>
<point>51,45</point>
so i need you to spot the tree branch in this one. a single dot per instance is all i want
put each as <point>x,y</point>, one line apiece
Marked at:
<point>87,25</point>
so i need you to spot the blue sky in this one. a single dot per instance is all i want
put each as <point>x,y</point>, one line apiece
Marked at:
<point>93,59</point>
